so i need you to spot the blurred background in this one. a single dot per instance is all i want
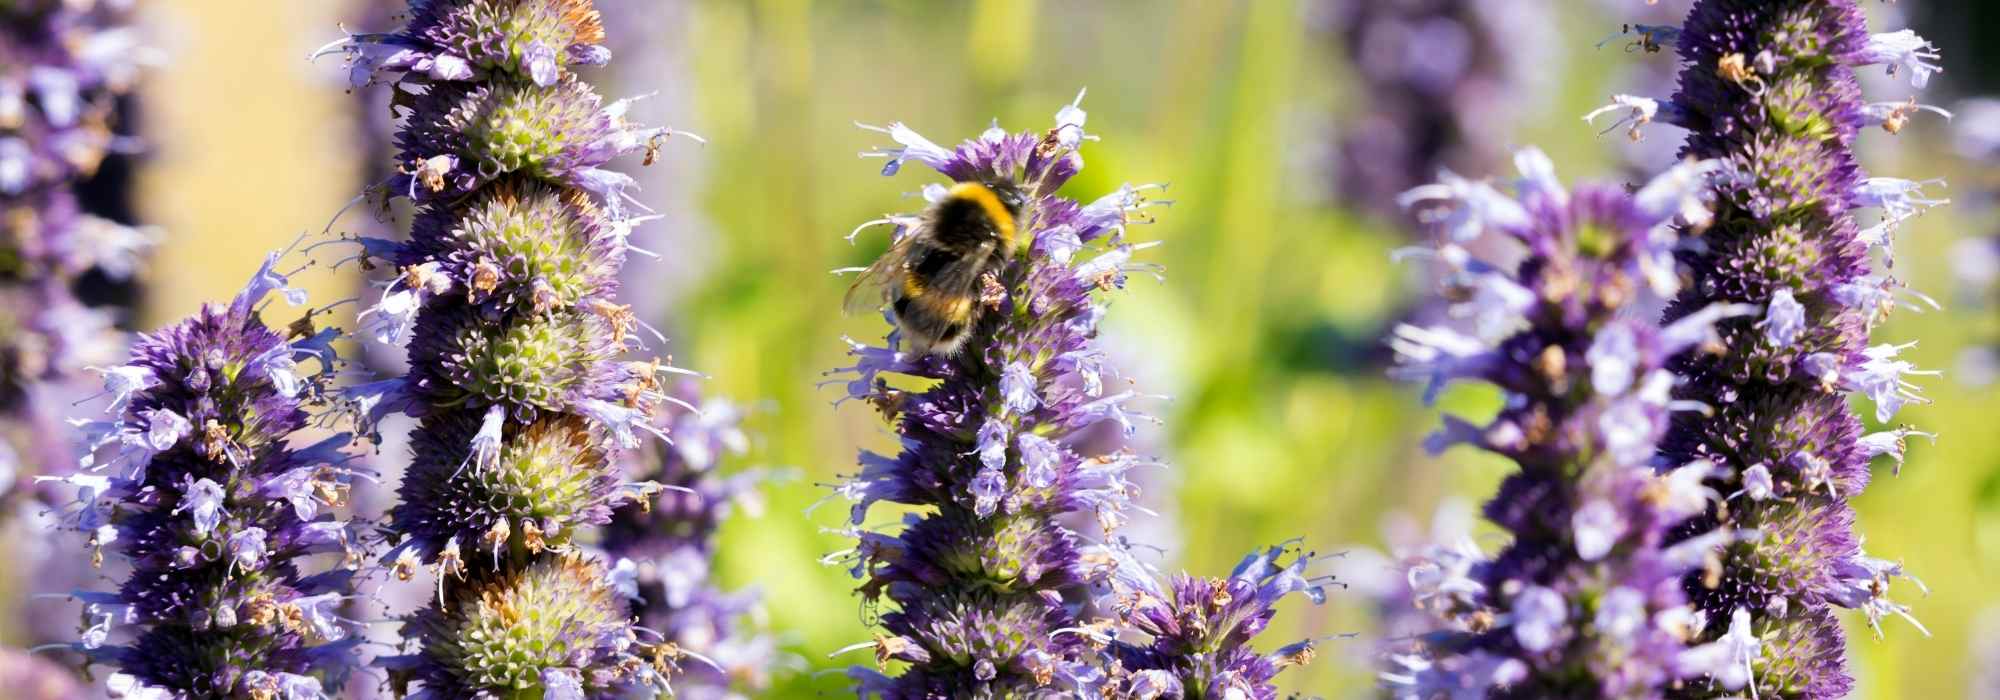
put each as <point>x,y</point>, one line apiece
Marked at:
<point>1282,128</point>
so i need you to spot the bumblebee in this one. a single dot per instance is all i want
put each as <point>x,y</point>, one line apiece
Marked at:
<point>933,278</point>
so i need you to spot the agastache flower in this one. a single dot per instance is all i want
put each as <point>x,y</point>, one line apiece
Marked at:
<point>517,349</point>
<point>1006,449</point>
<point>1430,82</point>
<point>1199,629</point>
<point>669,547</point>
<point>975,580</point>
<point>1770,90</point>
<point>216,537</point>
<point>1571,605</point>
<point>65,67</point>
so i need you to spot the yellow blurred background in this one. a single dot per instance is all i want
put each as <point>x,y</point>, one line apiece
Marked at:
<point>1272,430</point>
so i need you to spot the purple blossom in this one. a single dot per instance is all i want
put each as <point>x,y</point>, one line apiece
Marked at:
<point>1005,449</point>
<point>1790,451</point>
<point>216,594</point>
<point>1199,629</point>
<point>1572,605</point>
<point>66,69</point>
<point>518,368</point>
<point>667,548</point>
<point>1438,85</point>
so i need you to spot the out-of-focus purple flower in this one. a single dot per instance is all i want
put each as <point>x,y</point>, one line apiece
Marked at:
<point>1576,604</point>
<point>656,52</point>
<point>63,68</point>
<point>517,347</point>
<point>216,512</point>
<point>669,547</point>
<point>1769,89</point>
<point>68,74</point>
<point>1440,84</point>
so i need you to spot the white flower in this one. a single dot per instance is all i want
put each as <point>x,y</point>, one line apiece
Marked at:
<point>485,452</point>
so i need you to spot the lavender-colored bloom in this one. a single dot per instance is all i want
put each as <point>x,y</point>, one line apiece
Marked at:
<point>1439,83</point>
<point>68,73</point>
<point>63,68</point>
<point>1001,451</point>
<point>517,351</point>
<point>1769,89</point>
<point>977,580</point>
<point>669,547</point>
<point>204,504</point>
<point>1578,603</point>
<point>1200,628</point>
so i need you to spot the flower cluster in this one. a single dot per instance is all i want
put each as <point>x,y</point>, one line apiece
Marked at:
<point>1198,630</point>
<point>505,298</point>
<point>1584,600</point>
<point>195,481</point>
<point>982,577</point>
<point>63,68</point>
<point>1769,90</point>
<point>670,545</point>
<point>1439,84</point>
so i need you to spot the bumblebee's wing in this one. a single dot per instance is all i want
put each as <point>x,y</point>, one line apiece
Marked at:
<point>880,277</point>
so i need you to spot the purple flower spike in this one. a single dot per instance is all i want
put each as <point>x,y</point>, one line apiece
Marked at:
<point>1585,599</point>
<point>1006,446</point>
<point>667,548</point>
<point>218,513</point>
<point>977,581</point>
<point>65,68</point>
<point>518,350</point>
<point>1769,89</point>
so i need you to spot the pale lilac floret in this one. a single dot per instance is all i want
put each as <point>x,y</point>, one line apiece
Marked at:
<point>1784,319</point>
<point>1729,660</point>
<point>1904,50</point>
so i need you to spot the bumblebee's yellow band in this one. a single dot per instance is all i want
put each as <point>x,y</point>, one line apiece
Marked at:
<point>991,204</point>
